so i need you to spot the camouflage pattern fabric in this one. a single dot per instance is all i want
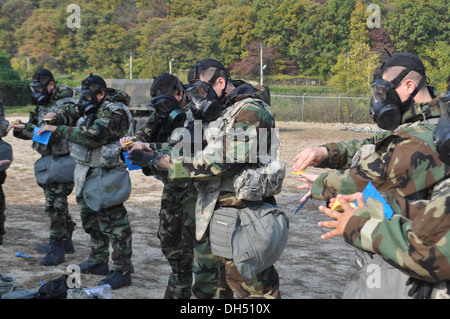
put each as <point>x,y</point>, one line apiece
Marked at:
<point>56,205</point>
<point>2,203</point>
<point>2,180</point>
<point>110,225</point>
<point>405,162</point>
<point>176,220</point>
<point>105,227</point>
<point>210,275</point>
<point>415,240</point>
<point>176,233</point>
<point>264,286</point>
<point>220,161</point>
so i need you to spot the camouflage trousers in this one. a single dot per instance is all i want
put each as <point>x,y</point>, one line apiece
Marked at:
<point>2,204</point>
<point>176,234</point>
<point>218,278</point>
<point>57,208</point>
<point>106,227</point>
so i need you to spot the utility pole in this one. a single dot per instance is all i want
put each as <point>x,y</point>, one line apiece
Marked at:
<point>170,66</point>
<point>261,66</point>
<point>131,65</point>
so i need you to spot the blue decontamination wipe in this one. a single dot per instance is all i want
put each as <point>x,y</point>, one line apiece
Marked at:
<point>43,138</point>
<point>371,191</point>
<point>131,167</point>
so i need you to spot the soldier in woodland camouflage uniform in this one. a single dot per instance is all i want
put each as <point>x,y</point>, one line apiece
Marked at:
<point>248,111</point>
<point>48,98</point>
<point>414,240</point>
<point>176,216</point>
<point>94,128</point>
<point>5,161</point>
<point>403,162</point>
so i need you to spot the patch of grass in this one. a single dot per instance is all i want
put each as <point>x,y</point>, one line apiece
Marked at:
<point>19,110</point>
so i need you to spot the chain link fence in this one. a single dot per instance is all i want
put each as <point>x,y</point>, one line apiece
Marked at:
<point>322,109</point>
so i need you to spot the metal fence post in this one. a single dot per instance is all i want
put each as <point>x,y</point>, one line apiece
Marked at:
<point>303,105</point>
<point>339,108</point>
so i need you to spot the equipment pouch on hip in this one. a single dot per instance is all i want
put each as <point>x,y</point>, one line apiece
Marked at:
<point>223,223</point>
<point>105,187</point>
<point>58,169</point>
<point>254,237</point>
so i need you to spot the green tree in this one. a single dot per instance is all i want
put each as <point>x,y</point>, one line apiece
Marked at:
<point>14,90</point>
<point>107,52</point>
<point>238,31</point>
<point>12,14</point>
<point>195,9</point>
<point>353,70</point>
<point>414,26</point>
<point>210,32</point>
<point>171,40</point>
<point>437,62</point>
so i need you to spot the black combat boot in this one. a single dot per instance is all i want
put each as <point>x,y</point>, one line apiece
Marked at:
<point>116,280</point>
<point>89,267</point>
<point>68,246</point>
<point>56,254</point>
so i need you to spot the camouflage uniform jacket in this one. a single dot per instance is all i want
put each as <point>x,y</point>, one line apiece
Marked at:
<point>405,162</point>
<point>108,127</point>
<point>415,240</point>
<point>62,98</point>
<point>223,156</point>
<point>143,134</point>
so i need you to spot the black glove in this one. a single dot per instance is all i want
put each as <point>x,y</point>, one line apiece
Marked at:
<point>141,157</point>
<point>420,289</point>
<point>90,118</point>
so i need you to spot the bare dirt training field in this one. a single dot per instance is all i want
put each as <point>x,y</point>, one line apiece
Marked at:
<point>309,267</point>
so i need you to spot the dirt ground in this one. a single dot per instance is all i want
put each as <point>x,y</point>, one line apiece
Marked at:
<point>309,268</point>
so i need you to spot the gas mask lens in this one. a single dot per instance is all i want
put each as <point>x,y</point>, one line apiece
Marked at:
<point>198,92</point>
<point>39,95</point>
<point>379,90</point>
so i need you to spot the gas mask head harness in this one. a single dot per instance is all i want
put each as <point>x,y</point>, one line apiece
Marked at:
<point>39,92</point>
<point>206,105</point>
<point>386,107</point>
<point>90,87</point>
<point>163,89</point>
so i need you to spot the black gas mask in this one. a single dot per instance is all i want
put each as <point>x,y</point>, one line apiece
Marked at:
<point>168,108</point>
<point>205,104</point>
<point>386,107</point>
<point>442,132</point>
<point>90,87</point>
<point>170,117</point>
<point>39,92</point>
<point>88,104</point>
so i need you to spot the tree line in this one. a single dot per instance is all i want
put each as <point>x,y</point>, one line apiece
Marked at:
<point>339,42</point>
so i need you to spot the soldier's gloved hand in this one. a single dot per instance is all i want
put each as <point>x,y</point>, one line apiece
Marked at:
<point>90,118</point>
<point>420,289</point>
<point>141,157</point>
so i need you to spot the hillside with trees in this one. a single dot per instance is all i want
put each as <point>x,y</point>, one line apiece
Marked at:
<point>338,42</point>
